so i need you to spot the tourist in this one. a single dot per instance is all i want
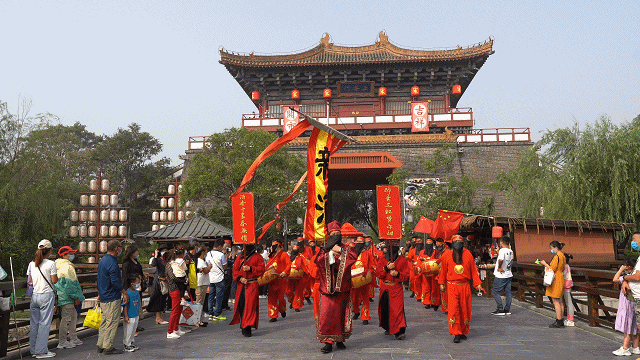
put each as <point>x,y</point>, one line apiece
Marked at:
<point>555,290</point>
<point>173,332</point>
<point>626,321</point>
<point>457,271</point>
<point>502,277</point>
<point>281,263</point>
<point>159,296</point>
<point>568,284</point>
<point>265,256</point>
<point>631,283</point>
<point>228,273</point>
<point>335,259</point>
<point>69,296</point>
<point>190,260</point>
<point>217,261</point>
<point>203,278</point>
<point>392,269</point>
<point>110,291</point>
<point>248,267</point>
<point>44,274</point>
<point>131,311</point>
<point>131,267</point>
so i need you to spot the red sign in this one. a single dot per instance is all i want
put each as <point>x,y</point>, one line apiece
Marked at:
<point>419,116</point>
<point>244,228</point>
<point>389,214</point>
<point>290,118</point>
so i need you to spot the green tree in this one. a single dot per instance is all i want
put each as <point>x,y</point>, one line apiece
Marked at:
<point>218,170</point>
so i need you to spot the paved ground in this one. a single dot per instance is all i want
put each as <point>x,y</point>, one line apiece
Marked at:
<point>523,335</point>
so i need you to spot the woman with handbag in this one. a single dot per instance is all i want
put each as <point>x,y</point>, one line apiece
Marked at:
<point>131,266</point>
<point>44,274</point>
<point>159,295</point>
<point>556,288</point>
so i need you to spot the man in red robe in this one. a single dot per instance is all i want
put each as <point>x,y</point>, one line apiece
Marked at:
<point>248,267</point>
<point>299,268</point>
<point>457,271</point>
<point>314,279</point>
<point>392,270</point>
<point>280,262</point>
<point>334,270</point>
<point>360,296</point>
<point>374,253</point>
<point>430,288</point>
<point>445,251</point>
<point>309,251</point>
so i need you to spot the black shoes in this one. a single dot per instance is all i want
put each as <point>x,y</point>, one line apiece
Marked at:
<point>291,306</point>
<point>246,331</point>
<point>296,310</point>
<point>139,328</point>
<point>557,324</point>
<point>356,316</point>
<point>327,348</point>
<point>308,300</point>
<point>386,332</point>
<point>435,307</point>
<point>100,350</point>
<point>365,322</point>
<point>463,337</point>
<point>412,295</point>
<point>284,314</point>
<point>340,345</point>
<point>370,299</point>
<point>498,312</point>
<point>456,339</point>
<point>273,320</point>
<point>113,351</point>
<point>400,336</point>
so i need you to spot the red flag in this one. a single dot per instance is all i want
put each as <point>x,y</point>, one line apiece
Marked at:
<point>447,224</point>
<point>424,225</point>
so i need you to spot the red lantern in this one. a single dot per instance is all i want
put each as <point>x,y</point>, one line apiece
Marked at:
<point>496,232</point>
<point>327,93</point>
<point>278,226</point>
<point>415,90</point>
<point>295,94</point>
<point>255,95</point>
<point>457,89</point>
<point>382,91</point>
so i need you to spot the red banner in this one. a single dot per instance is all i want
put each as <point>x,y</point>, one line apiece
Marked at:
<point>424,225</point>
<point>419,116</point>
<point>389,213</point>
<point>447,224</point>
<point>290,118</point>
<point>244,228</point>
<point>321,146</point>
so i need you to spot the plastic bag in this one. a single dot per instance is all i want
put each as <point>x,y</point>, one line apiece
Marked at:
<point>191,314</point>
<point>93,318</point>
<point>3,274</point>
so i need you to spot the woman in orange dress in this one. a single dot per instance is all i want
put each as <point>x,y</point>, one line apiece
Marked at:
<point>554,291</point>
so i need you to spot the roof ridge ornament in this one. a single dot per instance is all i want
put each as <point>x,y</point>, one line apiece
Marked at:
<point>383,38</point>
<point>325,40</point>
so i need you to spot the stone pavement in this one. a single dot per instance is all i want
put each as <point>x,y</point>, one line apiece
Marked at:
<point>523,335</point>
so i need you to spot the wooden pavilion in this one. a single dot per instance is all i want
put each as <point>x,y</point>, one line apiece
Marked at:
<point>197,227</point>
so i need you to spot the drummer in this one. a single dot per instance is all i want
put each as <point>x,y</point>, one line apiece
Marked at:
<point>280,263</point>
<point>299,267</point>
<point>430,286</point>
<point>361,277</point>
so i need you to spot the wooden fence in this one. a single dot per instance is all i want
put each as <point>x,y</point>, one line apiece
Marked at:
<point>87,275</point>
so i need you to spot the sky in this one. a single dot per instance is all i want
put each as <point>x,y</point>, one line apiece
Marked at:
<point>107,64</point>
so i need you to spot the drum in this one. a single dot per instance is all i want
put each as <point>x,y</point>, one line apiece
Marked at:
<point>268,276</point>
<point>416,268</point>
<point>361,280</point>
<point>296,274</point>
<point>430,267</point>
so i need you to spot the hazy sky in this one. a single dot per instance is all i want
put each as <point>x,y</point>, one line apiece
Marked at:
<point>107,64</point>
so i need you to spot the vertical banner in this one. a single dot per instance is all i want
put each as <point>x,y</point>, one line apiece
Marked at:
<point>244,228</point>
<point>321,146</point>
<point>290,118</point>
<point>419,116</point>
<point>389,212</point>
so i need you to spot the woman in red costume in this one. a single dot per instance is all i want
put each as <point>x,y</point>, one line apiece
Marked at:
<point>247,268</point>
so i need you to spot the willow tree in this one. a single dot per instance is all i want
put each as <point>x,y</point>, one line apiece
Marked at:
<point>575,174</point>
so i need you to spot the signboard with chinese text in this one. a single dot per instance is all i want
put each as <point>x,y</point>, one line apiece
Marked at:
<point>244,228</point>
<point>290,118</point>
<point>356,88</point>
<point>389,212</point>
<point>419,116</point>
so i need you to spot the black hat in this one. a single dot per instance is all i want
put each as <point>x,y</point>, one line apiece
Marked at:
<point>163,246</point>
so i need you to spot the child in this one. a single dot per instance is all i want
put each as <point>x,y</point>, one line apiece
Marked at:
<point>625,318</point>
<point>131,313</point>
<point>568,284</point>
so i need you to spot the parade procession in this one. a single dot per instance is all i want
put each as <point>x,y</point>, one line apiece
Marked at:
<point>335,202</point>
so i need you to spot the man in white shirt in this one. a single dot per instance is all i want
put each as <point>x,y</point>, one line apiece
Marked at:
<point>217,261</point>
<point>502,277</point>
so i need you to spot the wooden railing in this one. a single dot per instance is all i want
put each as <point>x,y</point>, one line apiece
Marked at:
<point>591,289</point>
<point>86,275</point>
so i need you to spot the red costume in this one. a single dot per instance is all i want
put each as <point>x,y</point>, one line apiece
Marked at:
<point>430,287</point>
<point>457,278</point>
<point>446,253</point>
<point>277,288</point>
<point>335,286</point>
<point>308,253</point>
<point>296,286</point>
<point>315,288</point>
<point>245,310</point>
<point>391,302</point>
<point>360,296</point>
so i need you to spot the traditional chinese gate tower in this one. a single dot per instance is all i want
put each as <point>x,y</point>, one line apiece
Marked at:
<point>367,92</point>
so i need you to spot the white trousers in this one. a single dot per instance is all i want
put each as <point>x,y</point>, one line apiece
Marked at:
<point>130,331</point>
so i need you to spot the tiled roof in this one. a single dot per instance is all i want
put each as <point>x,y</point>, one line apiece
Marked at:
<point>196,227</point>
<point>392,139</point>
<point>382,51</point>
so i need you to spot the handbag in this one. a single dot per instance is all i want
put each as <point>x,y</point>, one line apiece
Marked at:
<point>29,291</point>
<point>164,287</point>
<point>93,318</point>
<point>549,275</point>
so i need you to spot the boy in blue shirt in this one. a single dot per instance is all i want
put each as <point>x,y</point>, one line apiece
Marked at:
<point>131,313</point>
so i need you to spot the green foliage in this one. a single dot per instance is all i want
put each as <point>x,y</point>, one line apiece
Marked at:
<point>217,172</point>
<point>589,174</point>
<point>349,206</point>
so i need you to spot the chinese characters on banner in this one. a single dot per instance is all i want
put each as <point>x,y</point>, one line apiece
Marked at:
<point>244,231</point>
<point>389,214</point>
<point>290,118</point>
<point>419,116</point>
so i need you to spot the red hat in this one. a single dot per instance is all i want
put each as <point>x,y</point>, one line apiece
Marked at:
<point>276,242</point>
<point>333,226</point>
<point>349,230</point>
<point>66,250</point>
<point>456,237</point>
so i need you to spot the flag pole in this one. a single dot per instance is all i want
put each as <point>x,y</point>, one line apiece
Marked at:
<point>325,128</point>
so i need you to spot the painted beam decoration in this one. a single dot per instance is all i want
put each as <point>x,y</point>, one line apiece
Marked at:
<point>389,212</point>
<point>290,118</point>
<point>419,116</point>
<point>244,228</point>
